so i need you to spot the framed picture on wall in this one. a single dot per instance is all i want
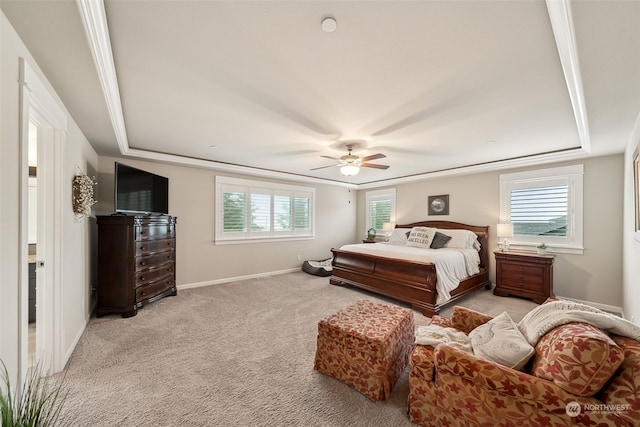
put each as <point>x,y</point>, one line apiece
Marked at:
<point>438,205</point>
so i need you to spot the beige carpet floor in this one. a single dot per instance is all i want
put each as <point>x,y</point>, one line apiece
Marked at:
<point>234,354</point>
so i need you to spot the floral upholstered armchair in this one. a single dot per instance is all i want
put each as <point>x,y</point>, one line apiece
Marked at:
<point>576,375</point>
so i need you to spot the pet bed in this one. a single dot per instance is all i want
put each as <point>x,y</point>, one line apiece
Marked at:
<point>318,268</point>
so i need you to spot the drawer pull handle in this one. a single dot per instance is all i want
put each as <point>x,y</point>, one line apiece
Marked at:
<point>142,278</point>
<point>141,262</point>
<point>142,232</point>
<point>143,293</point>
<point>142,248</point>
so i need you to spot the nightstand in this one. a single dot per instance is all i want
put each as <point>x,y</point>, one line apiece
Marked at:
<point>524,274</point>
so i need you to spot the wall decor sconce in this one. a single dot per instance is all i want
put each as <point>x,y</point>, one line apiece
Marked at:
<point>82,195</point>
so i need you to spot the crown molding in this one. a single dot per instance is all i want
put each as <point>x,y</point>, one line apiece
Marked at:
<point>561,20</point>
<point>231,168</point>
<point>577,153</point>
<point>94,20</point>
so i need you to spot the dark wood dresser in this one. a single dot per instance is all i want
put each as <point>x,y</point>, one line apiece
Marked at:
<point>524,274</point>
<point>136,261</point>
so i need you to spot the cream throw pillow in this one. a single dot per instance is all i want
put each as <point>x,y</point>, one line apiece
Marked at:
<point>421,237</point>
<point>461,239</point>
<point>399,236</point>
<point>500,341</point>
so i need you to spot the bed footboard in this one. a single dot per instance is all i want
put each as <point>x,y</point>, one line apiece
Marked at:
<point>410,282</point>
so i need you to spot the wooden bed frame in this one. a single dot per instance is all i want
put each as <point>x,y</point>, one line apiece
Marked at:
<point>409,281</point>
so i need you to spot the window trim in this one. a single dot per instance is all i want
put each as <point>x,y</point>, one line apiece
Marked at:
<point>573,176</point>
<point>223,183</point>
<point>388,193</point>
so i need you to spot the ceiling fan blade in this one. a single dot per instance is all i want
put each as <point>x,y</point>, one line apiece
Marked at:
<point>329,157</point>
<point>373,157</point>
<point>322,167</point>
<point>372,165</point>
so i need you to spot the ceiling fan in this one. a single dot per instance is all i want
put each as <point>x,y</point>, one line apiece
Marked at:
<point>350,164</point>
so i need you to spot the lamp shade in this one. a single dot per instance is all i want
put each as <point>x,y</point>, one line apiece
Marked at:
<point>387,227</point>
<point>349,170</point>
<point>505,230</point>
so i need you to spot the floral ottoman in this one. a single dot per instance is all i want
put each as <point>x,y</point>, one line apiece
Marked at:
<point>367,346</point>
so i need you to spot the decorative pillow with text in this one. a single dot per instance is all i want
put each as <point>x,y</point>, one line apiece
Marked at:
<point>421,237</point>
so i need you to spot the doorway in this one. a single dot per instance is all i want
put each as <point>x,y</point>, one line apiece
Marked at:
<point>43,127</point>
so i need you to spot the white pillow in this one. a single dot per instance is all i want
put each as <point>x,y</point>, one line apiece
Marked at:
<point>461,239</point>
<point>421,237</point>
<point>399,236</point>
<point>500,341</point>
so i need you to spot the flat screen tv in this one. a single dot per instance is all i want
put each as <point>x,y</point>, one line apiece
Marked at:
<point>138,191</point>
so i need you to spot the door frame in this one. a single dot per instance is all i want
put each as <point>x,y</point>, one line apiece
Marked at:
<point>39,107</point>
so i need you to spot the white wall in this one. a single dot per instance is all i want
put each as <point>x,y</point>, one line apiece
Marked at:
<point>198,260</point>
<point>595,276</point>
<point>631,263</point>
<point>76,240</point>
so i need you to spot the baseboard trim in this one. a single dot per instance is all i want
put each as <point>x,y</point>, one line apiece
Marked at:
<point>604,307</point>
<point>76,339</point>
<point>234,279</point>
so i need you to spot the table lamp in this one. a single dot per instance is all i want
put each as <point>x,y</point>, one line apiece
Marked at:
<point>504,231</point>
<point>388,229</point>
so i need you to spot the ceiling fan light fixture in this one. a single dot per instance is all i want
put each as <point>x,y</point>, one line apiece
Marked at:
<point>349,170</point>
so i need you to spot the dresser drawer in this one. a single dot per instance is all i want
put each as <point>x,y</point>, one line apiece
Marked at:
<point>154,274</point>
<point>150,246</point>
<point>155,259</point>
<point>150,232</point>
<point>152,289</point>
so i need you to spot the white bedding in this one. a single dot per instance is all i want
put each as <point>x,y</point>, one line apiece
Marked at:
<point>452,265</point>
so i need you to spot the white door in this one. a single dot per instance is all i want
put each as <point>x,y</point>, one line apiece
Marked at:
<point>41,115</point>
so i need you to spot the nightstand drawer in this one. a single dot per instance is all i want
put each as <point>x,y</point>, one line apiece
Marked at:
<point>522,282</point>
<point>533,272</point>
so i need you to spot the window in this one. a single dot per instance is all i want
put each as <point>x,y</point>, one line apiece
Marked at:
<point>381,208</point>
<point>544,206</point>
<point>253,210</point>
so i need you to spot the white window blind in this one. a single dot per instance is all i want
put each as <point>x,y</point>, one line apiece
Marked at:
<point>544,206</point>
<point>302,213</point>
<point>540,211</point>
<point>381,208</point>
<point>252,210</point>
<point>283,220</point>
<point>260,211</point>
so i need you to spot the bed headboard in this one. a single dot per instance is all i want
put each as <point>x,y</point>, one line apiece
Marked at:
<point>481,231</point>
